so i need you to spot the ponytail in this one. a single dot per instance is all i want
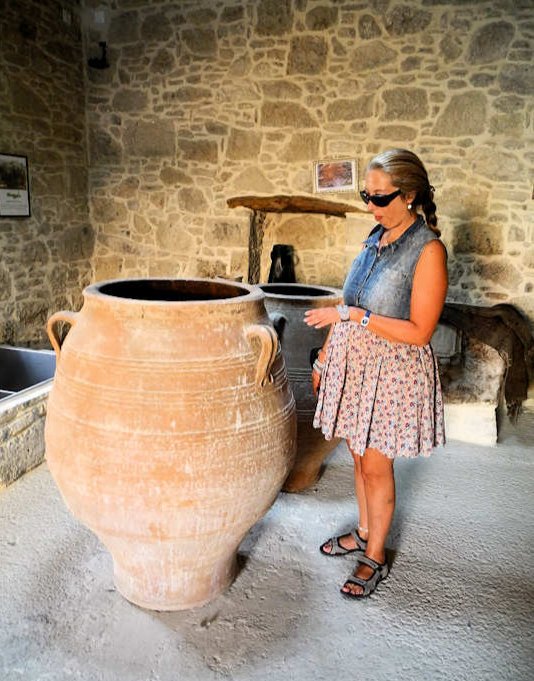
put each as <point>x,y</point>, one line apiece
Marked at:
<point>429,209</point>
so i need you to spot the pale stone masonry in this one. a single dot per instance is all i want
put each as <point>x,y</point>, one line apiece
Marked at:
<point>208,99</point>
<point>45,260</point>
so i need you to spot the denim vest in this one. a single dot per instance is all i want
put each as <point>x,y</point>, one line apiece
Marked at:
<point>381,281</point>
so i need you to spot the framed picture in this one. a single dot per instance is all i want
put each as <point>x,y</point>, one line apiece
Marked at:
<point>335,175</point>
<point>14,186</point>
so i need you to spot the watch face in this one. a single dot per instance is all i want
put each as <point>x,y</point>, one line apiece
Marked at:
<point>364,321</point>
<point>344,312</point>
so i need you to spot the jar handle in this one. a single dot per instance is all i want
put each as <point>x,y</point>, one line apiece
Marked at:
<point>279,323</point>
<point>61,316</point>
<point>269,347</point>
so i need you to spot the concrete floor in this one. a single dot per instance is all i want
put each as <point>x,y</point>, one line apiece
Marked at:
<point>458,603</point>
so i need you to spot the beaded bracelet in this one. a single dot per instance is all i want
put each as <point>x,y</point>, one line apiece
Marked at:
<point>318,366</point>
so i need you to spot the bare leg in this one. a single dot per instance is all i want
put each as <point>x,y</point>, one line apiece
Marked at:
<point>347,540</point>
<point>359,488</point>
<point>379,485</point>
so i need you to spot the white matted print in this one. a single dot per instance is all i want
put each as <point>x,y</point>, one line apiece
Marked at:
<point>14,186</point>
<point>335,175</point>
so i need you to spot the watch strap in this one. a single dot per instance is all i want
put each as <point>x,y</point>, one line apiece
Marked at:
<point>365,319</point>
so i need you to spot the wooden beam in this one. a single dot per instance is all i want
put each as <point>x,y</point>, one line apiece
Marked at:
<point>293,204</point>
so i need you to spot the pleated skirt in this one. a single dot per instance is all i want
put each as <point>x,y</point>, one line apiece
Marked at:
<point>379,394</point>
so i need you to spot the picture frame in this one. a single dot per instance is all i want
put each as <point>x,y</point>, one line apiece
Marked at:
<point>14,186</point>
<point>335,175</point>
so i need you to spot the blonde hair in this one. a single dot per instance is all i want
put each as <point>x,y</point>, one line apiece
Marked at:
<point>408,173</point>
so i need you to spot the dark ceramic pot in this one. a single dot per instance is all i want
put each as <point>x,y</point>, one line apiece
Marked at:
<point>286,304</point>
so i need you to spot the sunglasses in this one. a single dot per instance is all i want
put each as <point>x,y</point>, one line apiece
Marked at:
<point>379,200</point>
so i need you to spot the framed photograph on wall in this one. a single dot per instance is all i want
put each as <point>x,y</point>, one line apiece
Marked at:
<point>335,175</point>
<point>14,186</point>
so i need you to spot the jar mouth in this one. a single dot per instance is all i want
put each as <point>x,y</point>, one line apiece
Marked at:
<point>297,290</point>
<point>172,290</point>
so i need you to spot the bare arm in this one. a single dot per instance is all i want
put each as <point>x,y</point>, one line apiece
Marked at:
<point>428,297</point>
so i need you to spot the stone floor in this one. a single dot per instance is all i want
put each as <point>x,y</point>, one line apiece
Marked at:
<point>459,603</point>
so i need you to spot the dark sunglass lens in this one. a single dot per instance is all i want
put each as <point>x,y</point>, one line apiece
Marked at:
<point>380,200</point>
<point>365,196</point>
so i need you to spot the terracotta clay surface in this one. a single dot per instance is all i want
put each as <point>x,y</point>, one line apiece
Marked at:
<point>286,304</point>
<point>170,429</point>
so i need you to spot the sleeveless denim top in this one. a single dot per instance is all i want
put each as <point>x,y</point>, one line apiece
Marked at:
<point>381,281</point>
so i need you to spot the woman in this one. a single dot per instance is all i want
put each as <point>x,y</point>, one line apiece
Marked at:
<point>376,375</point>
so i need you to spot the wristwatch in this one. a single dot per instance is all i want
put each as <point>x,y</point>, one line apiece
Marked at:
<point>365,319</point>
<point>344,312</point>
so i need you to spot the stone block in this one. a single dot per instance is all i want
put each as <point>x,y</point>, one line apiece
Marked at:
<point>192,200</point>
<point>477,238</point>
<point>156,28</point>
<point>372,56</point>
<point>201,17</point>
<point>322,17</point>
<point>281,89</point>
<point>108,210</point>
<point>507,124</point>
<point>243,145</point>
<point>496,164</point>
<point>303,146</point>
<point>367,27</point>
<point>103,147</point>
<point>6,285</point>
<point>173,238</point>
<point>200,41</point>
<point>518,78</point>
<point>252,179</point>
<point>210,268</point>
<point>27,102</point>
<point>76,243</point>
<point>490,42</point>
<point>130,100</point>
<point>307,55</point>
<point>397,133</point>
<point>22,419</point>
<point>459,420</point>
<point>164,61</point>
<point>405,104</point>
<point>350,109</point>
<point>463,200</point>
<point>450,47</point>
<point>465,114</point>
<point>124,28</point>
<point>405,19</point>
<point>173,176</point>
<point>128,188</point>
<point>231,14</point>
<point>227,233</point>
<point>500,271</point>
<point>275,17</point>
<point>150,138</point>
<point>286,114</point>
<point>202,150</point>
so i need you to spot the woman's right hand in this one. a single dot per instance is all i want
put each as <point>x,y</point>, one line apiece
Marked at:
<point>316,375</point>
<point>316,381</point>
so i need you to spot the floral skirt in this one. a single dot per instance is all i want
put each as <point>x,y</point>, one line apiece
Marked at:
<point>380,394</point>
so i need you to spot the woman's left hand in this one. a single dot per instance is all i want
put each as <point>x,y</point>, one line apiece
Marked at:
<point>321,316</point>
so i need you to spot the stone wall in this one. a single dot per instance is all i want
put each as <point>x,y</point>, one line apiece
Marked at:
<point>208,99</point>
<point>44,259</point>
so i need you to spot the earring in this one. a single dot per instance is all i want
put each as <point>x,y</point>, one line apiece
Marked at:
<point>409,206</point>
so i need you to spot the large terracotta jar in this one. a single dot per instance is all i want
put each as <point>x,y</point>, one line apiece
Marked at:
<point>170,429</point>
<point>286,304</point>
